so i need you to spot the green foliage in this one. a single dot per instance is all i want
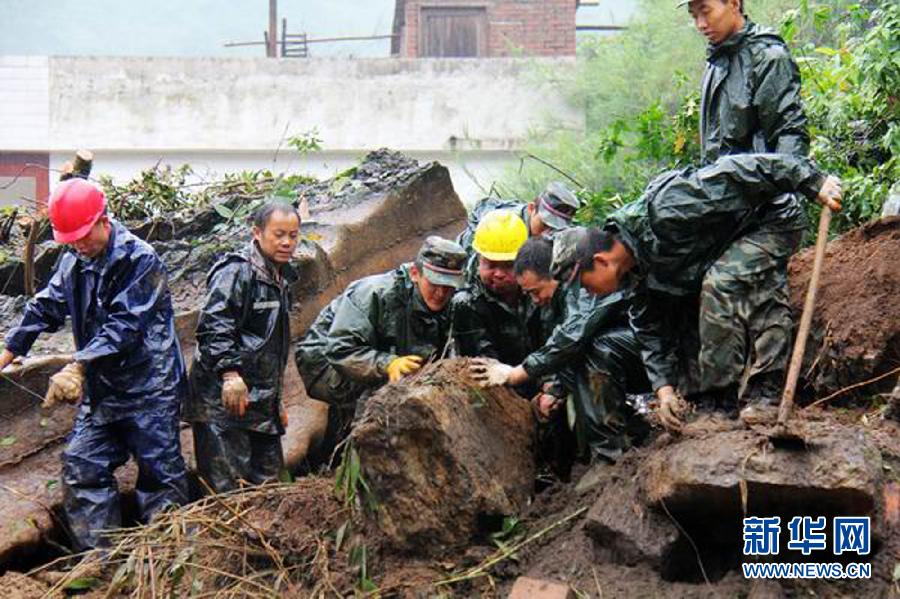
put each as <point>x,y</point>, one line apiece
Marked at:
<point>306,142</point>
<point>164,192</point>
<point>640,93</point>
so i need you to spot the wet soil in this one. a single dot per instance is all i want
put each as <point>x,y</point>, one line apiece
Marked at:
<point>856,327</point>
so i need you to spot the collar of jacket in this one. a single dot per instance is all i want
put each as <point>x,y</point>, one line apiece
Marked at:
<point>266,270</point>
<point>733,43</point>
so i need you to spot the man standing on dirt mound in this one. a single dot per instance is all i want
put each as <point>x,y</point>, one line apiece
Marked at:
<point>243,343</point>
<point>700,239</point>
<point>382,328</point>
<point>128,372</point>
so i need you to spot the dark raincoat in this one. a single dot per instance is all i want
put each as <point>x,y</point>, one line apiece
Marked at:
<point>750,100</point>
<point>244,327</point>
<point>485,326</point>
<point>124,329</point>
<point>378,319</point>
<point>685,221</point>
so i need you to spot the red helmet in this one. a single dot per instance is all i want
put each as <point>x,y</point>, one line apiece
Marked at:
<point>74,208</point>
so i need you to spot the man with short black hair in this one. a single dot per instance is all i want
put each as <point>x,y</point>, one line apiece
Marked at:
<point>688,235</point>
<point>243,339</point>
<point>750,98</point>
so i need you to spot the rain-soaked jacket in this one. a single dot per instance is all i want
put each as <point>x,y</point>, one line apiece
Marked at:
<point>750,100</point>
<point>244,326</point>
<point>570,322</point>
<point>684,222</point>
<point>378,319</point>
<point>123,324</point>
<point>483,325</point>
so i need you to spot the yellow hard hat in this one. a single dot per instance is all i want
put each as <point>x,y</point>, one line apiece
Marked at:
<point>499,235</point>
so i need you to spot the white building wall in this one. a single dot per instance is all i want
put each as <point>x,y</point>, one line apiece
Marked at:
<point>225,115</point>
<point>24,103</point>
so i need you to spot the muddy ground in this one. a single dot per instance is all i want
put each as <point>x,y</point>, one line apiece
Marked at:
<point>856,326</point>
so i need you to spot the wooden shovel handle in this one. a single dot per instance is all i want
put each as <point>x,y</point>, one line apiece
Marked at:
<point>790,386</point>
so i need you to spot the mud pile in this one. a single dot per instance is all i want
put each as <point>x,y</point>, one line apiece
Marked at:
<point>856,328</point>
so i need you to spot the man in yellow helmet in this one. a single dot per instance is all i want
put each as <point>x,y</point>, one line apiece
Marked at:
<point>492,317</point>
<point>382,328</point>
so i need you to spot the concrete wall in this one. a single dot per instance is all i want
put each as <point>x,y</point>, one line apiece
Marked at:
<point>232,114</point>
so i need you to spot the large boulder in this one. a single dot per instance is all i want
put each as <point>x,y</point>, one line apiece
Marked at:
<point>442,457</point>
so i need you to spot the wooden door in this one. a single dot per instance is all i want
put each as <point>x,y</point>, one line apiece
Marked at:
<point>453,32</point>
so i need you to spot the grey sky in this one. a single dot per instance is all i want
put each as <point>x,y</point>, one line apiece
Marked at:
<point>201,27</point>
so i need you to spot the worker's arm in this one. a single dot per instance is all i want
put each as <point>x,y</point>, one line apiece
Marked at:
<point>351,347</point>
<point>130,311</point>
<point>45,312</point>
<point>750,180</point>
<point>658,349</point>
<point>585,315</point>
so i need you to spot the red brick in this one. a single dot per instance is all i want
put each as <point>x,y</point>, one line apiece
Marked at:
<point>533,588</point>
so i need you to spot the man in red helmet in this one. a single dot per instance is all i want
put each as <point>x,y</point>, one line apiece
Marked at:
<point>128,372</point>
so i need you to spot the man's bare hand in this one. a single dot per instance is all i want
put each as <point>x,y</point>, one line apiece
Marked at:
<point>672,408</point>
<point>832,193</point>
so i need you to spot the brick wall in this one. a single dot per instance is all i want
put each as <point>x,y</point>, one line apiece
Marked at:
<point>515,27</point>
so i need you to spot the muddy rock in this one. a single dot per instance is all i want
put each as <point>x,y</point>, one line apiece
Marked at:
<point>856,326</point>
<point>838,471</point>
<point>443,457</point>
<point>623,528</point>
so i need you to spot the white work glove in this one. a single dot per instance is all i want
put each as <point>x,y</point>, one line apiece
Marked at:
<point>65,386</point>
<point>488,372</point>
<point>235,395</point>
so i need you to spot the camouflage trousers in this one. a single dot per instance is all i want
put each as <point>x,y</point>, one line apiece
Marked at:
<point>228,456</point>
<point>745,323</point>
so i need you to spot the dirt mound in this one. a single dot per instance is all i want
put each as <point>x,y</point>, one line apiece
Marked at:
<point>856,327</point>
<point>442,457</point>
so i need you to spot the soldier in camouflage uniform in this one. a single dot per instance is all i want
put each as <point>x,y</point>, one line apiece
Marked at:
<point>750,103</point>
<point>243,340</point>
<point>380,329</point>
<point>688,236</point>
<point>589,352</point>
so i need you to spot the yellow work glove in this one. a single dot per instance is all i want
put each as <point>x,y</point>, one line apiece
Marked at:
<point>65,386</point>
<point>400,367</point>
<point>235,395</point>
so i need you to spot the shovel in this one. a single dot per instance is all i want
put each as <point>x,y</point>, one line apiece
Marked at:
<point>782,430</point>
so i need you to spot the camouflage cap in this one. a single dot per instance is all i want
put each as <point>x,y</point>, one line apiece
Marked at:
<point>567,245</point>
<point>442,261</point>
<point>557,206</point>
